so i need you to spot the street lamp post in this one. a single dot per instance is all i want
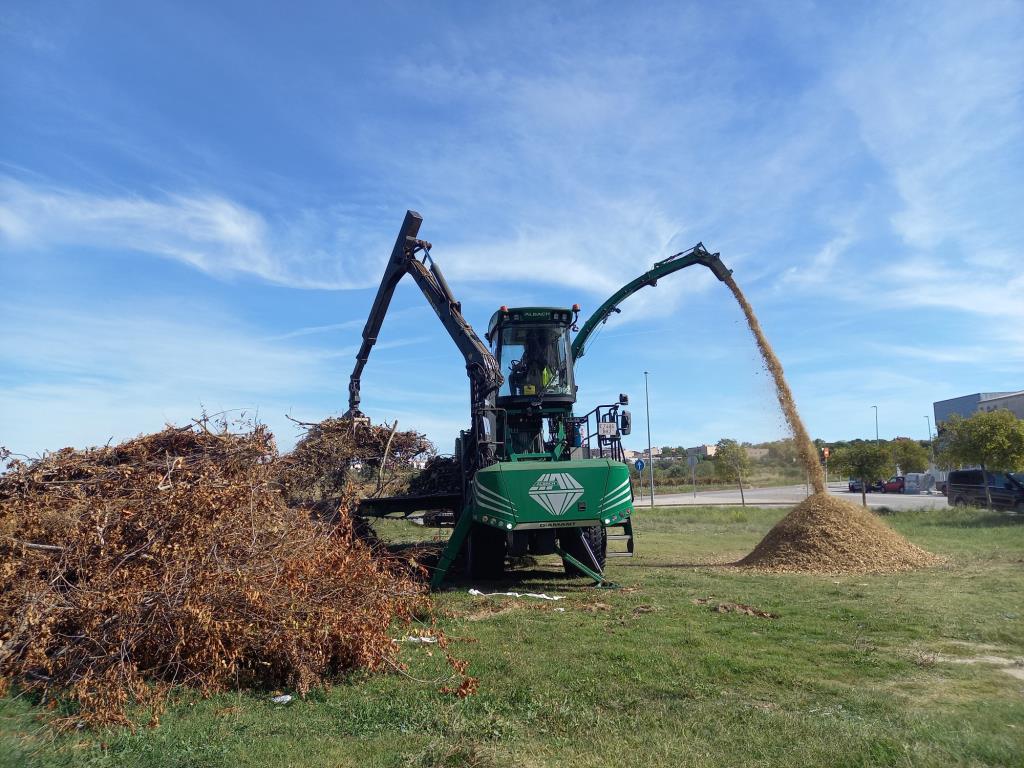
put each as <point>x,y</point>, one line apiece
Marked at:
<point>876,423</point>
<point>650,454</point>
<point>931,443</point>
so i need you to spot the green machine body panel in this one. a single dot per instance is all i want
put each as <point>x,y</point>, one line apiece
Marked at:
<point>534,495</point>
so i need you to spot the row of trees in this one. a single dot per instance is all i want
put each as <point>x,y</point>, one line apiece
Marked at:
<point>993,440</point>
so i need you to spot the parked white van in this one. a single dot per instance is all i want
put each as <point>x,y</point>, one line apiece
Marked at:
<point>918,482</point>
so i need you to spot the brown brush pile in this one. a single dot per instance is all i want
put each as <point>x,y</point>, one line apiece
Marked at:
<point>822,534</point>
<point>337,456</point>
<point>826,535</point>
<point>441,475</point>
<point>173,559</point>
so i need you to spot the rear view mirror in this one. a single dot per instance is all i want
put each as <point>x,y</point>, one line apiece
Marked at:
<point>625,422</point>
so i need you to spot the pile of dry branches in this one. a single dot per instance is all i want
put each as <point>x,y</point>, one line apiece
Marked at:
<point>440,475</point>
<point>337,455</point>
<point>173,559</point>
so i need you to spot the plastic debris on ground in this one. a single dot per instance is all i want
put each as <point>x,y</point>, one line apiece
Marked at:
<point>534,595</point>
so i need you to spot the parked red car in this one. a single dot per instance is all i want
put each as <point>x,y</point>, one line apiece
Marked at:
<point>894,485</point>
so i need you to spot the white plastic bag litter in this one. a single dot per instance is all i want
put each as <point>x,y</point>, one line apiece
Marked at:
<point>536,596</point>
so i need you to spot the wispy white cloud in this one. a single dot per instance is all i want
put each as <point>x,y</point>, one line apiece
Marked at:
<point>79,376</point>
<point>827,264</point>
<point>596,251</point>
<point>208,232</point>
<point>311,330</point>
<point>952,285</point>
<point>76,378</point>
<point>938,95</point>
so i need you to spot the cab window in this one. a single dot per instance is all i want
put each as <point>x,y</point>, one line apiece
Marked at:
<point>534,361</point>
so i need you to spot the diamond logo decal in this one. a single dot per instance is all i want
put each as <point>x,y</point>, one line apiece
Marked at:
<point>556,492</point>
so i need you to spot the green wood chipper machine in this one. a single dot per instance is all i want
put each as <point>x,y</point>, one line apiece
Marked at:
<point>535,477</point>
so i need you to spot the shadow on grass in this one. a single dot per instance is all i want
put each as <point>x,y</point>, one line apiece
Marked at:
<point>655,566</point>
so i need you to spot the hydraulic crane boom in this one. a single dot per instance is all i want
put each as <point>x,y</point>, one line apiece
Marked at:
<point>698,254</point>
<point>484,374</point>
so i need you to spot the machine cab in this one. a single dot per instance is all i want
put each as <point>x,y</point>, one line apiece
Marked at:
<point>533,348</point>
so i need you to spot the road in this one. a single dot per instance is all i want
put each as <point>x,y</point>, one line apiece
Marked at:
<point>792,494</point>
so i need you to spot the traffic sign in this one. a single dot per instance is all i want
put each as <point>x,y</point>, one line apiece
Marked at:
<point>639,464</point>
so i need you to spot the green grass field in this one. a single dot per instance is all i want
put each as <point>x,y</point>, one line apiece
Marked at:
<point>854,671</point>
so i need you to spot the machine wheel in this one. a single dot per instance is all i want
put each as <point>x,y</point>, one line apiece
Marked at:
<point>958,501</point>
<point>597,538</point>
<point>486,553</point>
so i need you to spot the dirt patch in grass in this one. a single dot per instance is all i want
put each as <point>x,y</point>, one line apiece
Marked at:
<point>746,610</point>
<point>984,655</point>
<point>1011,667</point>
<point>489,610</point>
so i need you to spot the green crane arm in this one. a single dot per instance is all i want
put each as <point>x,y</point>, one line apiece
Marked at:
<point>696,255</point>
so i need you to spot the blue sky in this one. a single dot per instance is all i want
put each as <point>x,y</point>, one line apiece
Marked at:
<point>197,200</point>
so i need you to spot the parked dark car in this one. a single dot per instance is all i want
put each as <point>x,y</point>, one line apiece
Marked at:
<point>965,487</point>
<point>894,485</point>
<point>854,486</point>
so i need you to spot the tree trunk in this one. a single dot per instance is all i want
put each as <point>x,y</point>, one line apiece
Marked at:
<point>988,491</point>
<point>864,492</point>
<point>743,499</point>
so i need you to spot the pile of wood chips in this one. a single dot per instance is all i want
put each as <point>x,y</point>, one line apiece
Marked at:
<point>827,535</point>
<point>174,559</point>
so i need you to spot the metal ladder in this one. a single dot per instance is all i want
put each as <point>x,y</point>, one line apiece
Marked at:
<point>626,536</point>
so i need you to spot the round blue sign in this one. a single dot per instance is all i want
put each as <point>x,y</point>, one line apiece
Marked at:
<point>639,464</point>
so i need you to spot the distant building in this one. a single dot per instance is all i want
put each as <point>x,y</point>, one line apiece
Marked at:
<point>1013,402</point>
<point>701,451</point>
<point>966,405</point>
<point>755,453</point>
<point>641,454</point>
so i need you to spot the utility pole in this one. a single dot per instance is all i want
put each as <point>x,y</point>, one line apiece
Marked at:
<point>931,443</point>
<point>876,423</point>
<point>650,453</point>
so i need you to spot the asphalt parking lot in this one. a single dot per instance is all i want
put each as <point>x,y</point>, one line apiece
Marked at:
<point>788,495</point>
